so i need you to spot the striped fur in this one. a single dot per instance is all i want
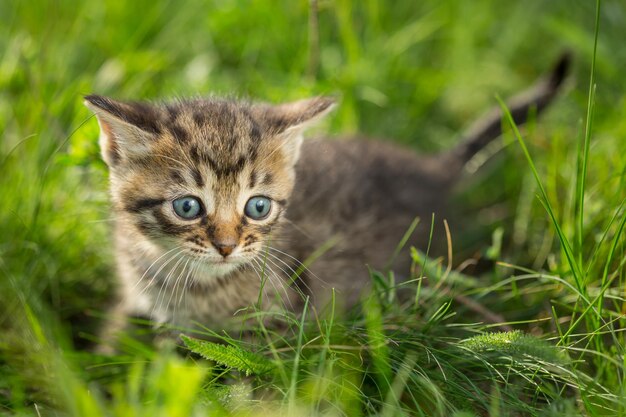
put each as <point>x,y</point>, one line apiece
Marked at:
<point>356,197</point>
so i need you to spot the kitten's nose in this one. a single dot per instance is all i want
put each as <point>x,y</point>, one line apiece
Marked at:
<point>225,247</point>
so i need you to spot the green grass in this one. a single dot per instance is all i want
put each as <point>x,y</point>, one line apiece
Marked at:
<point>536,328</point>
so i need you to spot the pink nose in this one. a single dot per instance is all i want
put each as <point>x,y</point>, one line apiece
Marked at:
<point>225,248</point>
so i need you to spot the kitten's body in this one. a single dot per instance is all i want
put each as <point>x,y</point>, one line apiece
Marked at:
<point>341,203</point>
<point>355,197</point>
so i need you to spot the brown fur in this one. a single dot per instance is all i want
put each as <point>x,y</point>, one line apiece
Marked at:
<point>358,195</point>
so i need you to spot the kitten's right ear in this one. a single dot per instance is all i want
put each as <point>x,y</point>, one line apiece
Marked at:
<point>289,120</point>
<point>126,129</point>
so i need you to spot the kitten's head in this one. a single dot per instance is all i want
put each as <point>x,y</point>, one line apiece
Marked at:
<point>209,177</point>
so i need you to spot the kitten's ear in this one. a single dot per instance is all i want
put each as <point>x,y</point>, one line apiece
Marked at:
<point>289,120</point>
<point>126,129</point>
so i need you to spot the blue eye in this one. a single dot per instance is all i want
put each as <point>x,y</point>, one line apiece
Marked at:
<point>257,208</point>
<point>187,207</point>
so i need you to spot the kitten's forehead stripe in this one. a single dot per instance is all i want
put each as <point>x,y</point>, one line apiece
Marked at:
<point>179,133</point>
<point>255,131</point>
<point>199,118</point>
<point>267,179</point>
<point>173,112</point>
<point>197,176</point>
<point>222,135</point>
<point>225,168</point>
<point>177,177</point>
<point>194,153</point>
<point>253,179</point>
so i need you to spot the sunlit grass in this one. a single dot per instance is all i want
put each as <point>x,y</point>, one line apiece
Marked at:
<point>538,331</point>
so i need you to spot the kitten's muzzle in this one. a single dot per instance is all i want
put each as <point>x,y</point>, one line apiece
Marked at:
<point>225,247</point>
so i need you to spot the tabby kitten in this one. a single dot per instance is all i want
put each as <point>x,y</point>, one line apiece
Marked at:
<point>218,201</point>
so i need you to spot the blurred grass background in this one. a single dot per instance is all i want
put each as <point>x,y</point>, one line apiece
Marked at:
<point>413,72</point>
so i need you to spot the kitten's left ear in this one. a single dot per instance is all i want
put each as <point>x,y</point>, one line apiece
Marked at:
<point>126,129</point>
<point>290,120</point>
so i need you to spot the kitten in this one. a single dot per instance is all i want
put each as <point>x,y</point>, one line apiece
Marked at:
<point>218,201</point>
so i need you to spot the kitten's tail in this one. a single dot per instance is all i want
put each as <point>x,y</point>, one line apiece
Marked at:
<point>489,127</point>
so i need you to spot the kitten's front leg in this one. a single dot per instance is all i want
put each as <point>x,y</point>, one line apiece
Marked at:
<point>117,323</point>
<point>135,319</point>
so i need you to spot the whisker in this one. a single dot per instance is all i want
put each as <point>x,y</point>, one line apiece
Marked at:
<point>184,154</point>
<point>277,284</point>
<point>172,159</point>
<point>295,226</point>
<point>302,265</point>
<point>151,265</point>
<point>154,277</point>
<point>195,265</point>
<point>262,161</point>
<point>295,274</point>
<point>163,284</point>
<point>174,290</point>
<point>264,268</point>
<point>258,274</point>
<point>280,283</point>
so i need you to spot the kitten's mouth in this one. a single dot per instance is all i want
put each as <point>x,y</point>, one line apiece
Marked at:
<point>225,261</point>
<point>211,264</point>
<point>210,258</point>
<point>209,268</point>
<point>228,261</point>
